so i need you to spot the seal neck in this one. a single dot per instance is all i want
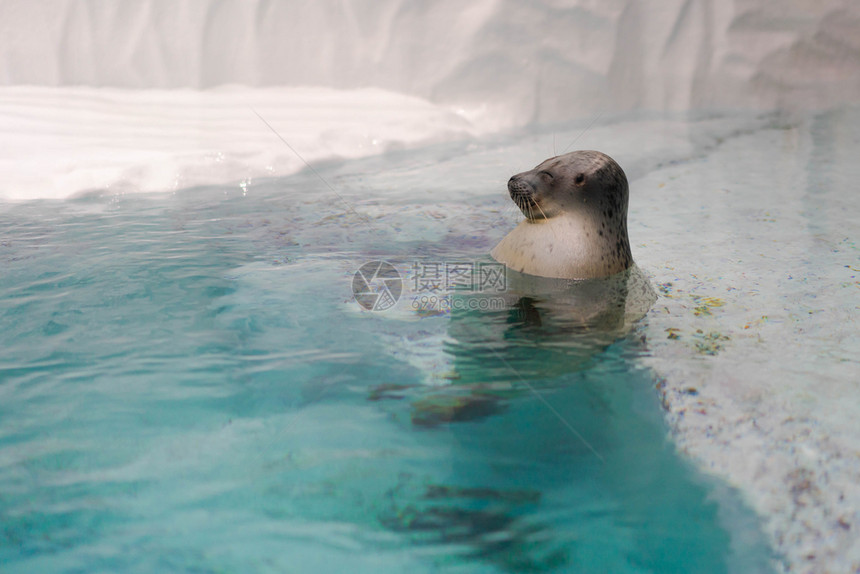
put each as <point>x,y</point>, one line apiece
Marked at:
<point>570,246</point>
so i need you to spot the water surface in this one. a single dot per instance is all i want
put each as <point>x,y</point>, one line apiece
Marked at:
<point>186,385</point>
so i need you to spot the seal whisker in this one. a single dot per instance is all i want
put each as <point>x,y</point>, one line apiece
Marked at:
<point>541,210</point>
<point>554,234</point>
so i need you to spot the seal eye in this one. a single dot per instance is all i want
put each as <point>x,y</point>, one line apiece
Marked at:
<point>579,179</point>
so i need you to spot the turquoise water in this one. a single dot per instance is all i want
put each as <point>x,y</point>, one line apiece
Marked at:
<point>187,386</point>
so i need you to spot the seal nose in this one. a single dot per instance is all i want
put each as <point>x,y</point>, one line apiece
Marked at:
<point>518,187</point>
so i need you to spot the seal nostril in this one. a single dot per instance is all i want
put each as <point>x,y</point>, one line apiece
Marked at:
<point>519,187</point>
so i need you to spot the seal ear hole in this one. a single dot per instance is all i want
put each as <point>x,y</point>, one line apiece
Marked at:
<point>579,179</point>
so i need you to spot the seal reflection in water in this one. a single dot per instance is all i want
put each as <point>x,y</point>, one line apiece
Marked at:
<point>547,327</point>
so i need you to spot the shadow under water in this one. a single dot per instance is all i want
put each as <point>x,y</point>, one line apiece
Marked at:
<point>545,327</point>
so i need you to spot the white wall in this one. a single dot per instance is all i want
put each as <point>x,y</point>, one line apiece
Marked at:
<point>540,60</point>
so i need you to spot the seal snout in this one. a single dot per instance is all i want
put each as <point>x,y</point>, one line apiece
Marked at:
<point>523,193</point>
<point>519,188</point>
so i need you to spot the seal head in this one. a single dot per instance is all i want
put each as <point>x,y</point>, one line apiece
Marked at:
<point>576,219</point>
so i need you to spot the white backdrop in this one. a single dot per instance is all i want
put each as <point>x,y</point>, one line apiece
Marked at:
<point>542,60</point>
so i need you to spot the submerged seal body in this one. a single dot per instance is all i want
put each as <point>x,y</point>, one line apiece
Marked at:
<point>576,219</point>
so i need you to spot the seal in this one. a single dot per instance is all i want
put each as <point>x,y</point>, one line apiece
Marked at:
<point>576,219</point>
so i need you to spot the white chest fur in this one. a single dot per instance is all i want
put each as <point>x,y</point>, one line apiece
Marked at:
<point>567,246</point>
